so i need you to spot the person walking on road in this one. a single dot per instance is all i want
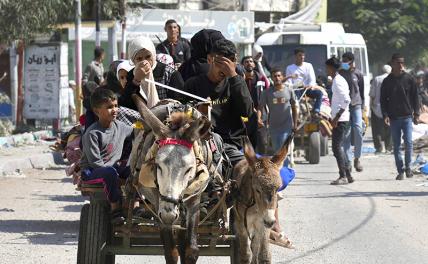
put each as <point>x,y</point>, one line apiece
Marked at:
<point>340,112</point>
<point>380,131</point>
<point>400,106</point>
<point>282,105</point>
<point>355,80</point>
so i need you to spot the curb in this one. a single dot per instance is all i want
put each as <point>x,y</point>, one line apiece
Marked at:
<point>45,160</point>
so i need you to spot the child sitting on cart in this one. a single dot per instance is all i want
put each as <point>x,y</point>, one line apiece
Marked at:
<point>102,149</point>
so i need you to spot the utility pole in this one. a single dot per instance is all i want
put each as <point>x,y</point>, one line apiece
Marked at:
<point>78,58</point>
<point>20,105</point>
<point>122,11</point>
<point>246,47</point>
<point>97,24</point>
<point>14,81</point>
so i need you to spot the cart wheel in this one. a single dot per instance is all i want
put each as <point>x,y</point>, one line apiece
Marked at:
<point>83,228</point>
<point>324,146</point>
<point>314,148</point>
<point>98,232</point>
<point>234,243</point>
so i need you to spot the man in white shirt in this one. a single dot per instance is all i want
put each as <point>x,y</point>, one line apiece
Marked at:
<point>302,76</point>
<point>340,112</point>
<point>380,130</point>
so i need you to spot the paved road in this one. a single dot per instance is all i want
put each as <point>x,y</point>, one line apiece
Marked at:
<point>374,220</point>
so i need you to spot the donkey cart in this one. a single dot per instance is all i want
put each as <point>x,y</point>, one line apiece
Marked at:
<point>171,168</point>
<point>308,136</point>
<point>99,242</point>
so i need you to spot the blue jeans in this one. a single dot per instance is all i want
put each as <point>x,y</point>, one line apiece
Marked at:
<point>277,139</point>
<point>354,134</point>
<point>109,177</point>
<point>314,94</point>
<point>404,126</point>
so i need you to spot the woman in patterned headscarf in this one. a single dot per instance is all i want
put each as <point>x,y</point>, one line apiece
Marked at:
<point>142,54</point>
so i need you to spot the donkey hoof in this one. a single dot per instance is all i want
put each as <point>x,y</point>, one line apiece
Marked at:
<point>192,255</point>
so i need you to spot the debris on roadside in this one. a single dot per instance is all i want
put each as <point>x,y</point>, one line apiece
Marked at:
<point>420,144</point>
<point>7,210</point>
<point>26,139</point>
<point>419,165</point>
<point>14,174</point>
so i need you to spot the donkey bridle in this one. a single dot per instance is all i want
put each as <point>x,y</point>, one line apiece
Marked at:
<point>172,141</point>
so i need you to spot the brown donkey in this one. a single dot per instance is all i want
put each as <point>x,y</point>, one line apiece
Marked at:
<point>258,181</point>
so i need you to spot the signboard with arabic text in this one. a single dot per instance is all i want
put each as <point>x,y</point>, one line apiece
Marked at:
<point>43,81</point>
<point>237,26</point>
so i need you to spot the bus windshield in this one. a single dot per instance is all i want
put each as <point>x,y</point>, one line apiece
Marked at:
<point>280,56</point>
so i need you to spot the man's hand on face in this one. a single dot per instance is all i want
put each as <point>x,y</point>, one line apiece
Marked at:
<point>142,70</point>
<point>227,66</point>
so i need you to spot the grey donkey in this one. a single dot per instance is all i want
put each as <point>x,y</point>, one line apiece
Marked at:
<point>174,169</point>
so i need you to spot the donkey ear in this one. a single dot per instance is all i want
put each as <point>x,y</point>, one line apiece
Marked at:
<point>249,153</point>
<point>159,129</point>
<point>281,154</point>
<point>197,129</point>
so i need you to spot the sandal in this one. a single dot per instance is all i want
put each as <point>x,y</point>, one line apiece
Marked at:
<point>280,239</point>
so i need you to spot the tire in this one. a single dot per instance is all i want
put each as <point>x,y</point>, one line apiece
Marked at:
<point>83,224</point>
<point>314,148</point>
<point>324,146</point>
<point>98,232</point>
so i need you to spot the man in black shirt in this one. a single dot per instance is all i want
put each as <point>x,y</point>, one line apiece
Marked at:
<point>230,98</point>
<point>400,104</point>
<point>176,46</point>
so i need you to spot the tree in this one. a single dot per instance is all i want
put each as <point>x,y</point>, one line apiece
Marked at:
<point>27,18</point>
<point>387,25</point>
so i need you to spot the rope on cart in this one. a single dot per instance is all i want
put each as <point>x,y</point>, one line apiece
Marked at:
<point>149,207</point>
<point>220,202</point>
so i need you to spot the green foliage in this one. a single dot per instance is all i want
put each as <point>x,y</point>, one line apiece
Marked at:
<point>387,25</point>
<point>23,19</point>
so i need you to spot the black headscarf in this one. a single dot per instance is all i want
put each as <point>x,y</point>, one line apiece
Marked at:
<point>202,43</point>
